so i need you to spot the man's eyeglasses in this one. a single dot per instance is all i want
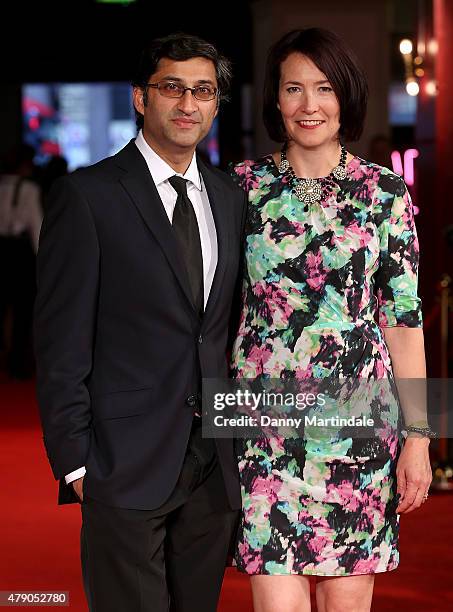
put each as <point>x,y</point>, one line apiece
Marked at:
<point>169,89</point>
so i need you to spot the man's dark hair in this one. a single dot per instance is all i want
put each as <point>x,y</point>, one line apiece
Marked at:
<point>180,47</point>
<point>330,54</point>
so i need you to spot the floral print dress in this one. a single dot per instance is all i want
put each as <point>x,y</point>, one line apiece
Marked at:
<point>320,283</point>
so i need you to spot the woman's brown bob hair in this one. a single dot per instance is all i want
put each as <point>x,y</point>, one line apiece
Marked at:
<point>341,68</point>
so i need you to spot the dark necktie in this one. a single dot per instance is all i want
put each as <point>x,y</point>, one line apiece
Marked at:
<point>185,226</point>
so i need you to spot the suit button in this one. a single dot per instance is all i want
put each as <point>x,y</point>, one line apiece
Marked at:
<point>191,401</point>
<point>200,339</point>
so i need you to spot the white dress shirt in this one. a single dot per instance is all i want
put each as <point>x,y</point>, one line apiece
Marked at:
<point>196,190</point>
<point>161,172</point>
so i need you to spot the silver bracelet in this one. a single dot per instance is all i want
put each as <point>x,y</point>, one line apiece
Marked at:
<point>426,432</point>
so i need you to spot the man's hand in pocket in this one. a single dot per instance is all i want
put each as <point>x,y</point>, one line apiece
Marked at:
<point>78,487</point>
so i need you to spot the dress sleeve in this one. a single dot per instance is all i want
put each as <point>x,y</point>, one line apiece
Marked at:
<point>396,279</point>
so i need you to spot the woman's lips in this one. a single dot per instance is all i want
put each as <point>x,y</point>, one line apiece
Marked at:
<point>309,125</point>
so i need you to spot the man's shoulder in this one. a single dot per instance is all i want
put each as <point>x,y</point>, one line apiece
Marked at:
<point>103,170</point>
<point>108,169</point>
<point>91,183</point>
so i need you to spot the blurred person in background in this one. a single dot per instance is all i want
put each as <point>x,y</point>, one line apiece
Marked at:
<point>330,291</point>
<point>20,223</point>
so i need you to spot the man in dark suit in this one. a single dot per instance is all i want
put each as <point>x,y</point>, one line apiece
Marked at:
<point>137,270</point>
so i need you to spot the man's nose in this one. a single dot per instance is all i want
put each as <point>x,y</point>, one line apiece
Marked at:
<point>188,103</point>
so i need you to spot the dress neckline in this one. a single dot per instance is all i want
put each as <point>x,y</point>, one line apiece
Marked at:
<point>348,166</point>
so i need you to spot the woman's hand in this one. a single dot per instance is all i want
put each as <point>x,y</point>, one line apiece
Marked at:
<point>413,473</point>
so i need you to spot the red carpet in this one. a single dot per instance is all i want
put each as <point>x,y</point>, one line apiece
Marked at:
<point>40,541</point>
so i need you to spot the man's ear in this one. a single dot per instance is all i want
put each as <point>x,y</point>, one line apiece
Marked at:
<point>138,95</point>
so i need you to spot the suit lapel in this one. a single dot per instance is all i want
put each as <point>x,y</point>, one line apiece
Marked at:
<point>140,186</point>
<point>217,201</point>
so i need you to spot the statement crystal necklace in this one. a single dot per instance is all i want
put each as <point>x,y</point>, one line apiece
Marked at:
<point>310,190</point>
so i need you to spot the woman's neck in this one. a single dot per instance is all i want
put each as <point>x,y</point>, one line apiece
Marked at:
<point>313,163</point>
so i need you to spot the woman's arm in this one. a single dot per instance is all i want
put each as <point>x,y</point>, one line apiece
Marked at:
<point>407,352</point>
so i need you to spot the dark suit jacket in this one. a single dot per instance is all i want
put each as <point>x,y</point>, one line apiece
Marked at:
<point>119,345</point>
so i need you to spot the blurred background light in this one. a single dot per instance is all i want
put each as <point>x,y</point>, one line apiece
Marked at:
<point>431,88</point>
<point>406,46</point>
<point>412,88</point>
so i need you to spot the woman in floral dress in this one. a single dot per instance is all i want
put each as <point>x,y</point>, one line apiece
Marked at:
<point>330,289</point>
